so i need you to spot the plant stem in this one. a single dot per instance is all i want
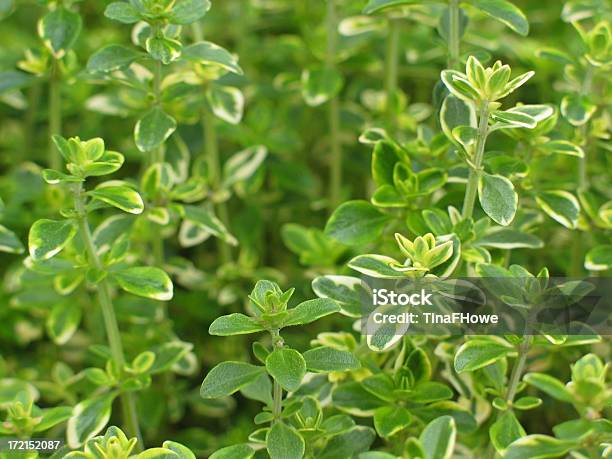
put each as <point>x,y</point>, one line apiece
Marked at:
<point>481,140</point>
<point>30,120</point>
<point>55,112</point>
<point>391,64</point>
<point>583,180</point>
<point>576,264</point>
<point>454,37</point>
<point>277,403</point>
<point>517,370</point>
<point>211,149</point>
<point>157,156</point>
<point>335,182</point>
<point>128,405</point>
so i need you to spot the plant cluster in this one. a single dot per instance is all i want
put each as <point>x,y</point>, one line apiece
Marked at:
<point>145,295</point>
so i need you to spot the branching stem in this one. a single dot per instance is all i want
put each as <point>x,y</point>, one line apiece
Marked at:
<point>475,171</point>
<point>517,370</point>
<point>277,403</point>
<point>128,404</point>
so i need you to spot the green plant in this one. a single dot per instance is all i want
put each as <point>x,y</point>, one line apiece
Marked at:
<point>101,262</point>
<point>293,420</point>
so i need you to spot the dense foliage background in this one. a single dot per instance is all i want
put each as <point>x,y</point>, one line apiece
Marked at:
<point>315,134</point>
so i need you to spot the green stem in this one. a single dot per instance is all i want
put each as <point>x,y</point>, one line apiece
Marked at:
<point>277,403</point>
<point>481,140</point>
<point>454,37</point>
<point>583,180</point>
<point>576,264</point>
<point>391,64</point>
<point>211,149</point>
<point>30,120</point>
<point>55,112</point>
<point>335,181</point>
<point>517,370</point>
<point>128,404</point>
<point>157,156</point>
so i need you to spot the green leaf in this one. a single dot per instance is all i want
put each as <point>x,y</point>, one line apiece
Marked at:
<point>49,237</point>
<point>153,129</point>
<point>181,451</point>
<point>9,242</point>
<point>58,30</point>
<point>459,86</point>
<point>234,324</point>
<point>287,367</point>
<point>320,84</point>
<point>497,198</point>
<point>88,418</point>
<point>378,266</point>
<point>506,13</point>
<point>167,355</point>
<point>243,165</point>
<point>563,147</point>
<point>560,205</point>
<point>438,438</point>
<point>326,359</point>
<point>145,281</point>
<point>599,258</point>
<point>478,353</point>
<point>456,112</point>
<point>549,385</point>
<point>163,49</point>
<point>204,219</point>
<point>52,417</point>
<point>538,112</point>
<point>577,109</point>
<point>376,6</point>
<point>207,53</point>
<point>527,403</point>
<point>121,197</point>
<point>356,223</point>
<point>429,392</point>
<point>514,119</point>
<point>188,11</point>
<point>229,377</point>
<point>309,311</point>
<point>509,238</point>
<point>156,453</point>
<point>53,177</point>
<point>348,444</point>
<point>284,442</point>
<point>438,221</point>
<point>226,102</point>
<point>388,196</point>
<point>122,12</point>
<point>63,321</point>
<point>539,447</point>
<point>505,430</point>
<point>242,451</point>
<point>110,162</point>
<point>384,157</point>
<point>389,420</point>
<point>112,57</point>
<point>347,291</point>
